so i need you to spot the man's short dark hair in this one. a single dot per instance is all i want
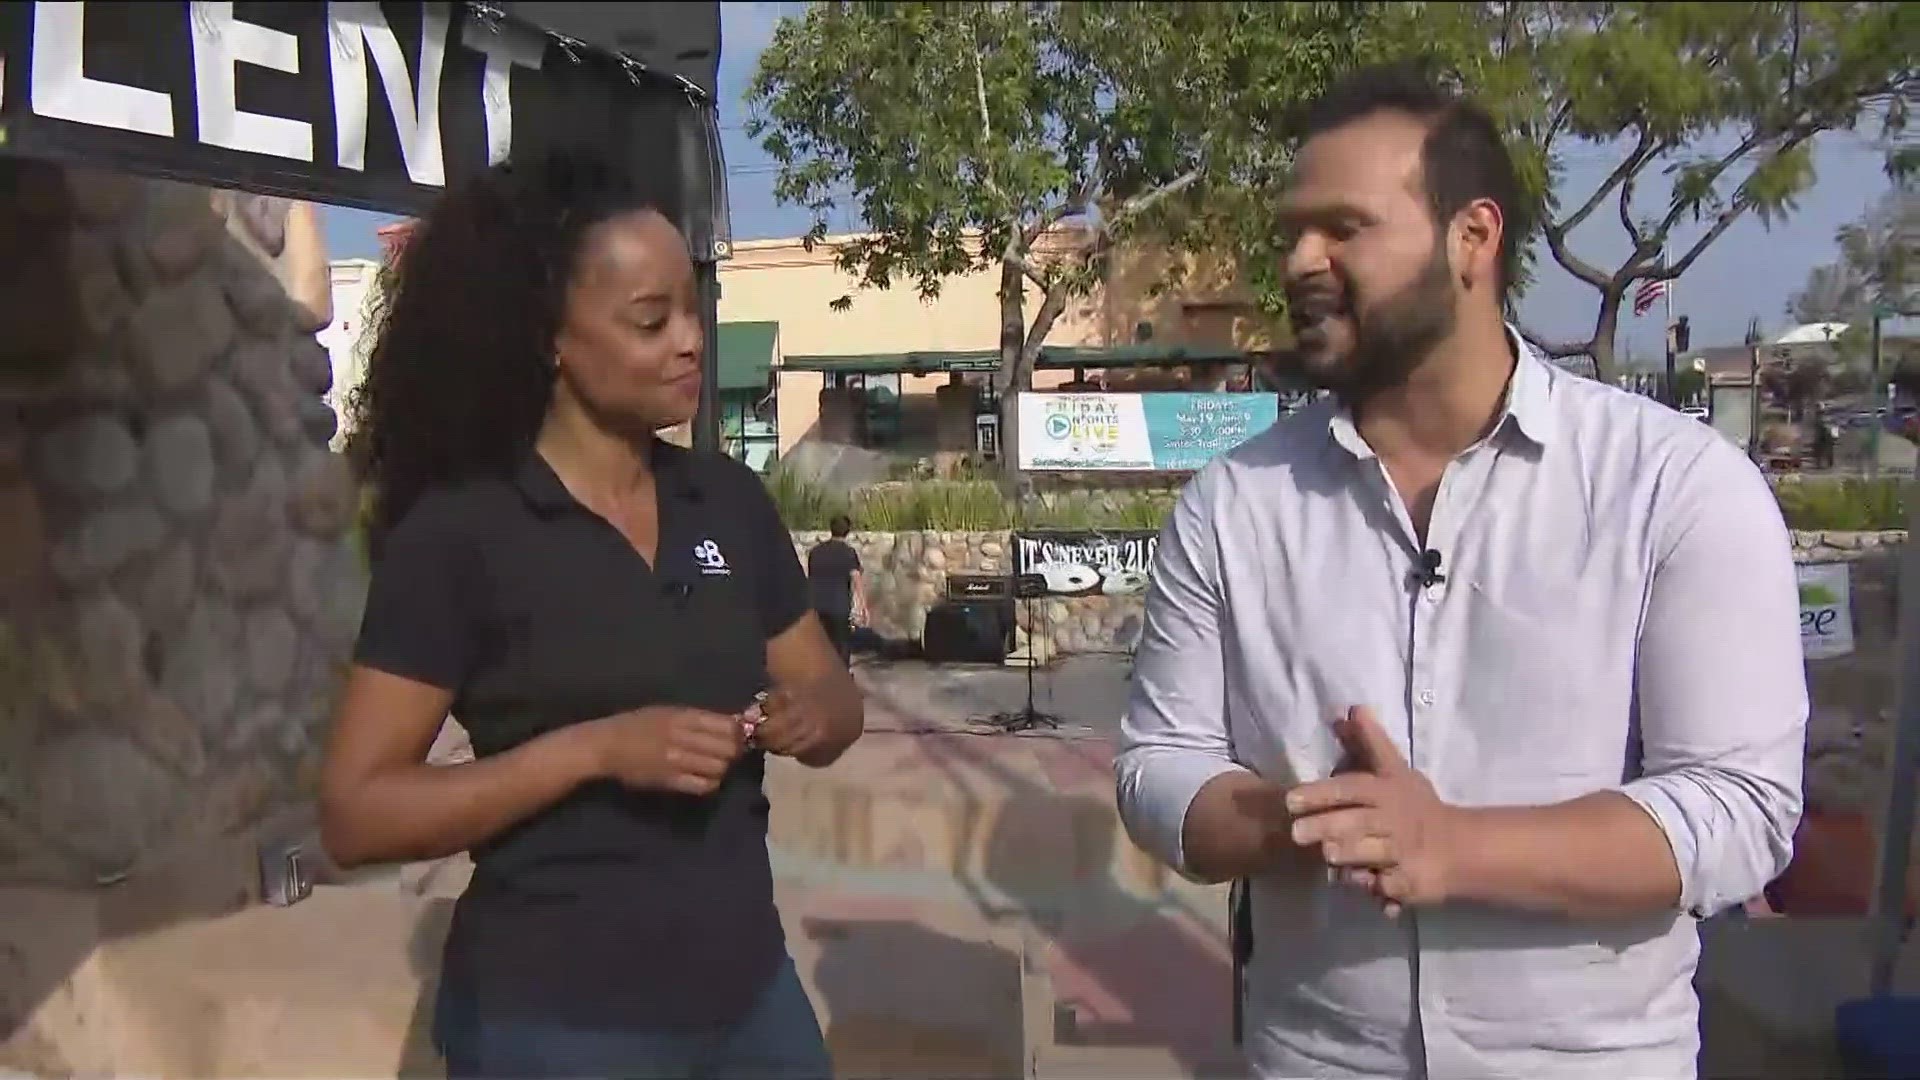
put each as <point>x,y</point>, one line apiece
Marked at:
<point>1462,159</point>
<point>840,526</point>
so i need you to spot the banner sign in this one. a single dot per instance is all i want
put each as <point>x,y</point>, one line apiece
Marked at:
<point>1165,432</point>
<point>1826,610</point>
<point>368,104</point>
<point>1087,563</point>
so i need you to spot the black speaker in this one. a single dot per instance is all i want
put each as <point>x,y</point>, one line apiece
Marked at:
<point>967,632</point>
<point>979,587</point>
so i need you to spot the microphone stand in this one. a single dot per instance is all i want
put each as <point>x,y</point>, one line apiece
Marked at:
<point>1026,587</point>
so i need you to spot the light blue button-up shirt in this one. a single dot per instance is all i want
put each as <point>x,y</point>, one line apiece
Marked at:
<point>1619,612</point>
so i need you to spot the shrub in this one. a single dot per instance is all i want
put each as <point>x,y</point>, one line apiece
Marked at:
<point>1849,504</point>
<point>962,506</point>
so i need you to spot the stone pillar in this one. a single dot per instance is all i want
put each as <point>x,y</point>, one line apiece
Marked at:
<point>956,404</point>
<point>839,415</point>
<point>181,589</point>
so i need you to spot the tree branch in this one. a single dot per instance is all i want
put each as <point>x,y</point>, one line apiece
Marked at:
<point>1626,217</point>
<point>1146,200</point>
<point>1632,163</point>
<point>1622,176</point>
<point>1721,223</point>
<point>1554,350</point>
<point>1573,264</point>
<point>1560,116</point>
<point>1050,310</point>
<point>1714,172</point>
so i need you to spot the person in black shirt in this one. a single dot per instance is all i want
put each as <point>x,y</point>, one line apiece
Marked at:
<point>621,626</point>
<point>839,593</point>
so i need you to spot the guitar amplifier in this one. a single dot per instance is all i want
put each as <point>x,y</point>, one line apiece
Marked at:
<point>968,632</point>
<point>979,587</point>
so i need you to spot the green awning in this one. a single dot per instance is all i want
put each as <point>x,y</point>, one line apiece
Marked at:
<point>746,354</point>
<point>917,363</point>
<point>1144,355</point>
<point>1051,356</point>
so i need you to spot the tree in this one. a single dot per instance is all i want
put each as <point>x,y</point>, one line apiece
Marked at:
<point>1031,140</point>
<point>1722,99</point>
<point>1878,264</point>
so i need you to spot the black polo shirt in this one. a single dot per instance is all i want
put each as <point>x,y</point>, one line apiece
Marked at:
<point>612,906</point>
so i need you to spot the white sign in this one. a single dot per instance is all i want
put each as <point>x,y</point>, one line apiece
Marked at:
<point>1826,610</point>
<point>1083,431</point>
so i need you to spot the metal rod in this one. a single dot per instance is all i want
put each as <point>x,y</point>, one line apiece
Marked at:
<point>1896,830</point>
<point>1882,408</point>
<point>706,415</point>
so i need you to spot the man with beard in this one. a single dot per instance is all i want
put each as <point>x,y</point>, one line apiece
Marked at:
<point>1484,677</point>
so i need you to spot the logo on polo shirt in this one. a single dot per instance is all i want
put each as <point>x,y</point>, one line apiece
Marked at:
<point>713,564</point>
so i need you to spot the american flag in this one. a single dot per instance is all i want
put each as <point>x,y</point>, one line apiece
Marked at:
<point>1648,294</point>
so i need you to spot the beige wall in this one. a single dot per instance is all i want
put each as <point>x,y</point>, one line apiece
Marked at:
<point>780,281</point>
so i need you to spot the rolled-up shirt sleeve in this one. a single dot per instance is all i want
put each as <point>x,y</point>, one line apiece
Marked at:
<point>1722,685</point>
<point>1174,737</point>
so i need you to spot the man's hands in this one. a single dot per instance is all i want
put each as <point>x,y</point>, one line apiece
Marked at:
<point>1379,826</point>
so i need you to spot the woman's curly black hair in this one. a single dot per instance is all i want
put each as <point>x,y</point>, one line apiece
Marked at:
<point>462,366</point>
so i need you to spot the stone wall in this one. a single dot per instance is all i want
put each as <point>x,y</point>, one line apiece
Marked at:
<point>906,573</point>
<point>177,592</point>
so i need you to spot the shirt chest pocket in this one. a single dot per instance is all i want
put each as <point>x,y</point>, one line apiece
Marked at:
<point>1551,694</point>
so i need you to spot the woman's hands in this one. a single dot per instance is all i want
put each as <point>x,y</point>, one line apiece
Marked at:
<point>668,748</point>
<point>688,751</point>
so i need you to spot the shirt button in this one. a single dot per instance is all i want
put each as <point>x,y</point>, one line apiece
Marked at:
<point>1426,697</point>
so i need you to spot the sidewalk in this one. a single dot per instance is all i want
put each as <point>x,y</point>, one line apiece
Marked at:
<point>922,843</point>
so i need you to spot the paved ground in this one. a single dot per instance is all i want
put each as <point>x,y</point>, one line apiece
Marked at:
<point>1008,831</point>
<point>1085,693</point>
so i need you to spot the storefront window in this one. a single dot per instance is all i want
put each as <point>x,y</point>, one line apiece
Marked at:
<point>749,429</point>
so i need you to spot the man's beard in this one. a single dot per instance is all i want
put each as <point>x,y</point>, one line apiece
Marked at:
<point>1392,338</point>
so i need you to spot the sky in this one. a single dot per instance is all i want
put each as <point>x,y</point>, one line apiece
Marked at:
<point>1750,271</point>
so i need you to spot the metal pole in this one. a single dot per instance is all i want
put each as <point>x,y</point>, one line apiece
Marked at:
<point>706,415</point>
<point>1896,831</point>
<point>1672,393</point>
<point>1879,399</point>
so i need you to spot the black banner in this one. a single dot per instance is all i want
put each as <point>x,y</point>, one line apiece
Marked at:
<point>1076,563</point>
<point>375,105</point>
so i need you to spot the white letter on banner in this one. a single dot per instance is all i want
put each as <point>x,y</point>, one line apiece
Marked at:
<point>219,42</point>
<point>61,89</point>
<point>354,29</point>
<point>504,47</point>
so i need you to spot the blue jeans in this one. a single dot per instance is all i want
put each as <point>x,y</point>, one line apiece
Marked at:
<point>778,1040</point>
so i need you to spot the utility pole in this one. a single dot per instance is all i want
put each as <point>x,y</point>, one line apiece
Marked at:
<point>1881,406</point>
<point>1753,387</point>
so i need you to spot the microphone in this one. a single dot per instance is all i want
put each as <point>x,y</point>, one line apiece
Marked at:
<point>1429,573</point>
<point>677,591</point>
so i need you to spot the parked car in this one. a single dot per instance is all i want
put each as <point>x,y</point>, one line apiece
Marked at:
<point>1696,412</point>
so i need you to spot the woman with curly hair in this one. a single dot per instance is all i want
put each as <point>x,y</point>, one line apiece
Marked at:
<point>620,624</point>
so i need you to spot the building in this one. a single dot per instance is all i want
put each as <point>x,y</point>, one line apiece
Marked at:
<point>892,372</point>
<point>347,336</point>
